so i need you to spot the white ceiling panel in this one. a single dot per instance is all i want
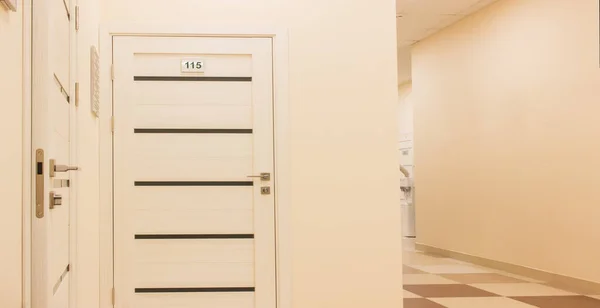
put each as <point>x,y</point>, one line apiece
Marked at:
<point>433,7</point>
<point>410,27</point>
<point>417,19</point>
<point>478,6</point>
<point>415,27</point>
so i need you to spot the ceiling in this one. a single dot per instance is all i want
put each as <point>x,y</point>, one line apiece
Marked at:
<point>418,19</point>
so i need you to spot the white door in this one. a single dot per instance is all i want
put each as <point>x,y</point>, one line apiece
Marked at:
<point>52,129</point>
<point>192,125</point>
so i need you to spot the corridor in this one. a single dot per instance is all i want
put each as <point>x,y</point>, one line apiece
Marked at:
<point>280,153</point>
<point>437,282</point>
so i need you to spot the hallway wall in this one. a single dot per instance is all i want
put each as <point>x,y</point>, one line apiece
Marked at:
<point>406,127</point>
<point>343,97</point>
<point>11,155</point>
<point>508,136</point>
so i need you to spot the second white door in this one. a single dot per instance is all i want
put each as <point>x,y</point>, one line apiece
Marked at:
<point>194,223</point>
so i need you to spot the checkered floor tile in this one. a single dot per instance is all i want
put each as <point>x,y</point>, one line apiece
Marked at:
<point>438,282</point>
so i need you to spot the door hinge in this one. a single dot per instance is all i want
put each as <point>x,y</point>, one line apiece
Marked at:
<point>112,72</point>
<point>77,94</point>
<point>112,297</point>
<point>112,124</point>
<point>77,18</point>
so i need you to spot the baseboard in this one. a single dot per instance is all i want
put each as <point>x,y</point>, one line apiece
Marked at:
<point>567,283</point>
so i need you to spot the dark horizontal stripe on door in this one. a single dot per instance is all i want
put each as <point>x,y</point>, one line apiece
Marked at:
<point>194,290</point>
<point>192,130</point>
<point>191,78</point>
<point>193,236</point>
<point>193,183</point>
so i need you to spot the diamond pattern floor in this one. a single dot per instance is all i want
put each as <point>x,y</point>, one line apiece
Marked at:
<point>438,282</point>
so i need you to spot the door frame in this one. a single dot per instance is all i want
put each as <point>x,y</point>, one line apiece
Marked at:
<point>281,136</point>
<point>27,195</point>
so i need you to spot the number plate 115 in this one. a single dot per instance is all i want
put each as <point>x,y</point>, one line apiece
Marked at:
<point>192,66</point>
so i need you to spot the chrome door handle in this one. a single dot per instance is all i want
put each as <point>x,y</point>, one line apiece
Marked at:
<point>265,176</point>
<point>55,199</point>
<point>60,168</point>
<point>64,168</point>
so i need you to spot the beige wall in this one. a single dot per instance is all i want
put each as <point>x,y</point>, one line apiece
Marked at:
<point>11,152</point>
<point>508,136</point>
<point>406,128</point>
<point>343,95</point>
<point>405,111</point>
<point>404,65</point>
<point>346,213</point>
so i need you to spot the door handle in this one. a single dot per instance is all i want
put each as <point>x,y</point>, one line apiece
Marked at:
<point>265,176</point>
<point>60,168</point>
<point>55,199</point>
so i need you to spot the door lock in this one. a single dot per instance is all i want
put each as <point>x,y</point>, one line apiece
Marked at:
<point>55,199</point>
<point>265,176</point>
<point>265,190</point>
<point>39,183</point>
<point>60,168</point>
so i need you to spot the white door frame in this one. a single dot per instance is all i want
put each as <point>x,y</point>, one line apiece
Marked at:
<point>281,120</point>
<point>27,196</point>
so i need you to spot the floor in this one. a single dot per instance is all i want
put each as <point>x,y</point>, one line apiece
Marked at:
<point>438,282</point>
